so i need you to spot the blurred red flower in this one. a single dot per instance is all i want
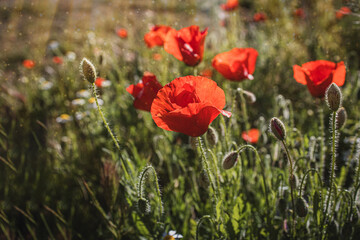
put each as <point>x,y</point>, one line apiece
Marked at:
<point>236,64</point>
<point>99,81</point>
<point>251,136</point>
<point>207,72</point>
<point>186,45</point>
<point>156,36</point>
<point>299,12</point>
<point>28,63</point>
<point>122,33</point>
<point>157,56</point>
<point>342,11</point>
<point>318,75</point>
<point>57,60</point>
<point>230,5</point>
<point>188,105</point>
<point>145,91</point>
<point>259,17</point>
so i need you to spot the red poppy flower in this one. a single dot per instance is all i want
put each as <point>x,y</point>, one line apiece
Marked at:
<point>299,13</point>
<point>259,17</point>
<point>156,36</point>
<point>57,60</point>
<point>28,63</point>
<point>157,56</point>
<point>236,64</point>
<point>207,72</point>
<point>342,11</point>
<point>251,136</point>
<point>99,81</point>
<point>122,33</point>
<point>187,44</point>
<point>145,91</point>
<point>318,75</point>
<point>230,5</point>
<point>188,105</point>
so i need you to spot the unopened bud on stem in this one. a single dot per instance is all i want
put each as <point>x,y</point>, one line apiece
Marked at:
<point>341,117</point>
<point>333,97</point>
<point>277,128</point>
<point>230,160</point>
<point>88,70</point>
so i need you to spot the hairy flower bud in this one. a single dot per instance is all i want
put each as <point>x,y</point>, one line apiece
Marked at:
<point>230,160</point>
<point>341,117</point>
<point>301,207</point>
<point>333,97</point>
<point>143,205</point>
<point>212,136</point>
<point>277,128</point>
<point>88,70</point>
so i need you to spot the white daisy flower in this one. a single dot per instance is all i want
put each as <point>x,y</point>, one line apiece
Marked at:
<point>64,118</point>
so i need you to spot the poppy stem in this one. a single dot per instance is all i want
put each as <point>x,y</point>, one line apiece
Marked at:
<point>141,184</point>
<point>208,170</point>
<point>332,174</point>
<point>291,187</point>
<point>93,86</point>
<point>322,135</point>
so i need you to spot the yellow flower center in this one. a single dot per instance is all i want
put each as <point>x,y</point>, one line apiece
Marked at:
<point>91,100</point>
<point>65,116</point>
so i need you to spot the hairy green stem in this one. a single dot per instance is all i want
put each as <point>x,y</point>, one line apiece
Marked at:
<point>140,191</point>
<point>93,86</point>
<point>199,224</point>
<point>291,187</point>
<point>332,174</point>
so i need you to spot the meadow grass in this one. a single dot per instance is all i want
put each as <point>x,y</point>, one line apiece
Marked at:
<point>66,177</point>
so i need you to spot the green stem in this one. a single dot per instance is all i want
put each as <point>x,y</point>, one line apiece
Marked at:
<point>199,223</point>
<point>93,86</point>
<point>208,170</point>
<point>140,193</point>
<point>333,160</point>
<point>291,186</point>
<point>322,142</point>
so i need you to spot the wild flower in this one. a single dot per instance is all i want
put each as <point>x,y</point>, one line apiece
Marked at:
<point>188,105</point>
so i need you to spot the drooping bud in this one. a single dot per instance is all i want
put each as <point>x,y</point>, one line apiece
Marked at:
<point>333,97</point>
<point>250,97</point>
<point>293,182</point>
<point>88,70</point>
<point>277,128</point>
<point>282,206</point>
<point>341,117</point>
<point>143,205</point>
<point>301,207</point>
<point>230,160</point>
<point>212,136</point>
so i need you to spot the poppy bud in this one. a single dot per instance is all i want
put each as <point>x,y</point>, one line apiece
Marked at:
<point>212,136</point>
<point>333,97</point>
<point>282,206</point>
<point>250,97</point>
<point>301,207</point>
<point>293,181</point>
<point>230,160</point>
<point>341,117</point>
<point>88,70</point>
<point>143,205</point>
<point>277,128</point>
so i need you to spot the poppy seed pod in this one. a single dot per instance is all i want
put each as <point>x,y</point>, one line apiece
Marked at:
<point>230,160</point>
<point>301,207</point>
<point>88,70</point>
<point>212,136</point>
<point>143,205</point>
<point>277,128</point>
<point>333,97</point>
<point>341,117</point>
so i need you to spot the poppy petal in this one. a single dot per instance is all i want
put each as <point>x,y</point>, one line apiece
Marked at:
<point>299,74</point>
<point>339,74</point>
